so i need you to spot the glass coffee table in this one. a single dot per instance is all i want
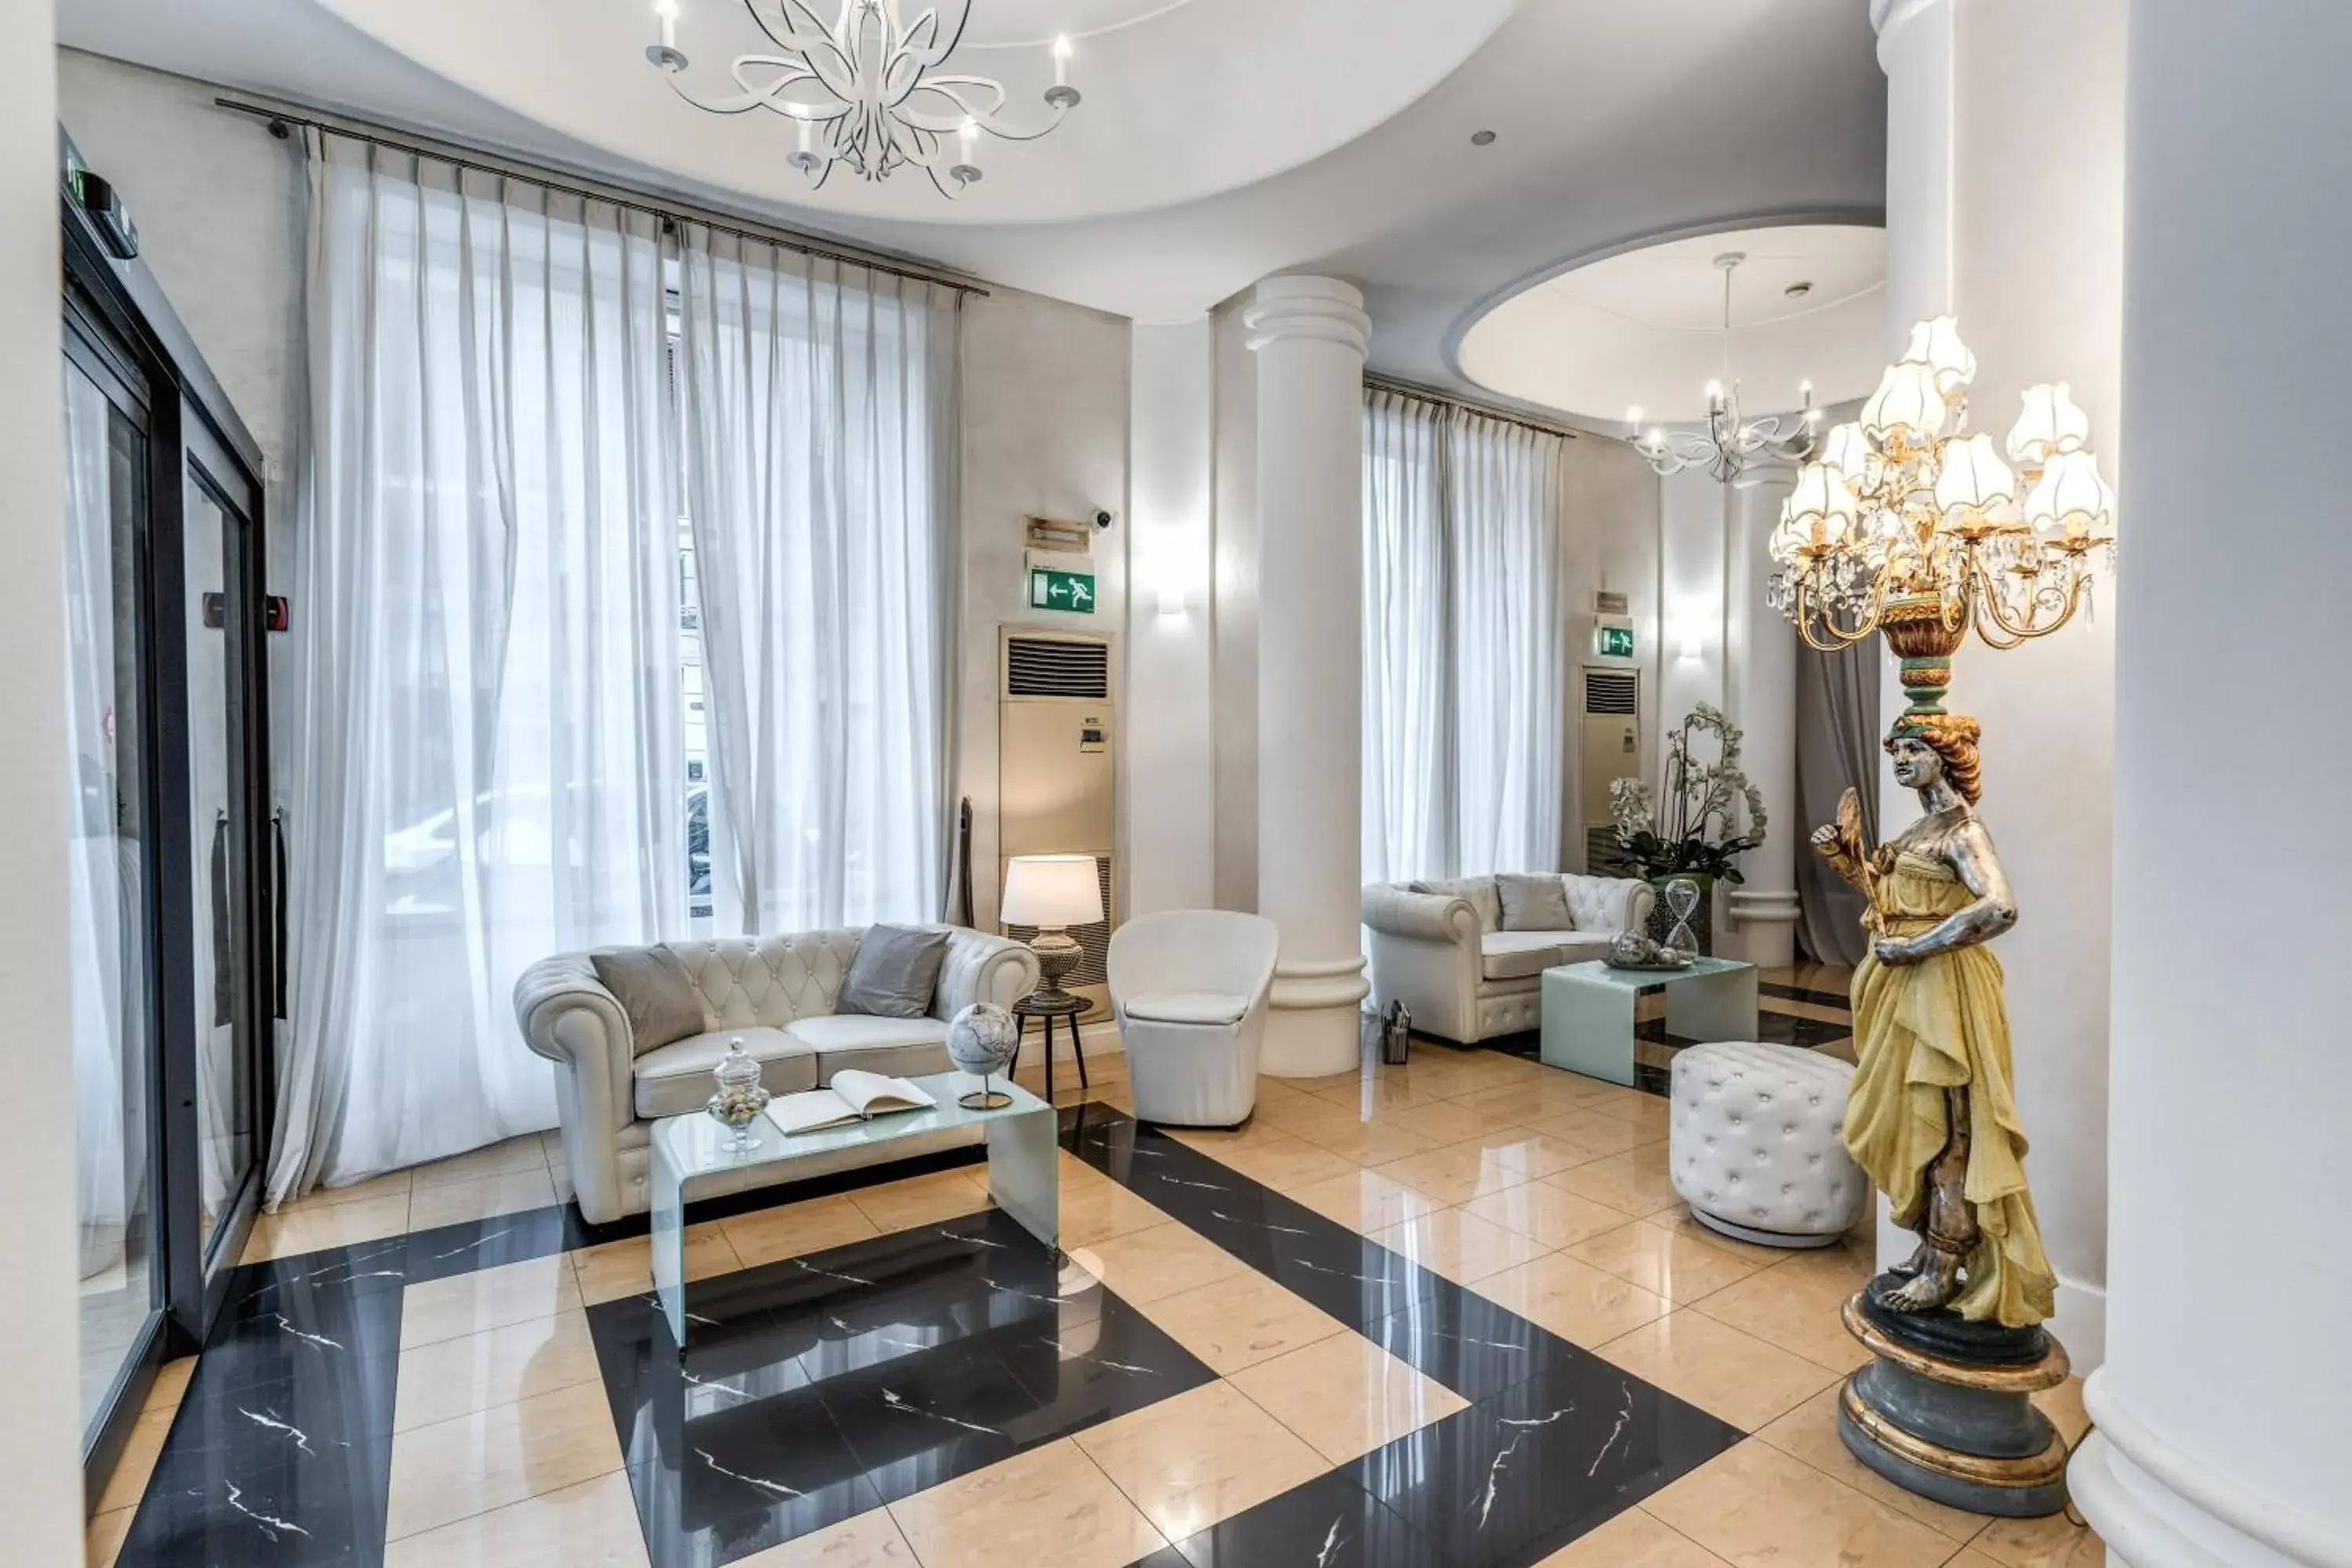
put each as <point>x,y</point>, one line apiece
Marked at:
<point>1588,1011</point>
<point>1024,1164</point>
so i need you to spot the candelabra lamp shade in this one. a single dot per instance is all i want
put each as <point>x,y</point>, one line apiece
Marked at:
<point>1052,893</point>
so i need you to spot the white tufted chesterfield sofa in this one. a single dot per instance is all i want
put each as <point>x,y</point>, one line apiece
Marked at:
<point>775,992</point>
<point>1757,1145</point>
<point>1440,948</point>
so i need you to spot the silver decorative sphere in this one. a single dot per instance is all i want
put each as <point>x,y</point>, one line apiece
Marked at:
<point>982,1039</point>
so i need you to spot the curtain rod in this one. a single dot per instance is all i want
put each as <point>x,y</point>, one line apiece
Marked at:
<point>280,120</point>
<point>1485,410</point>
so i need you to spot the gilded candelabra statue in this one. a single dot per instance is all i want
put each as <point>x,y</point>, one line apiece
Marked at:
<point>1911,526</point>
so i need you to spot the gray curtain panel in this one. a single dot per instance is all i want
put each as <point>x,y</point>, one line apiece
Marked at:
<point>1837,747</point>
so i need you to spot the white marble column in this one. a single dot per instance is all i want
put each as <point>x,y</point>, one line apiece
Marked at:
<point>2224,1409</point>
<point>2004,206</point>
<point>1759,681</point>
<point>40,1451</point>
<point>1310,335</point>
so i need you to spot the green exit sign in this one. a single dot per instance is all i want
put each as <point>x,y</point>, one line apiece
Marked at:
<point>1613,642</point>
<point>1051,590</point>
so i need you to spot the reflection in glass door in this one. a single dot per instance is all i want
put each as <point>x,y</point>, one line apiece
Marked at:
<point>108,870</point>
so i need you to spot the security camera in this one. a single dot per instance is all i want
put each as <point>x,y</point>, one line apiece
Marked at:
<point>1104,517</point>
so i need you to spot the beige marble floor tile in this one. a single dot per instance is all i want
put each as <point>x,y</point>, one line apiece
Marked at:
<point>451,1203</point>
<point>1633,1539</point>
<point>140,1449</point>
<point>171,1384</point>
<point>1590,1131</point>
<point>793,1230</point>
<point>1634,1181</point>
<point>440,1309</point>
<point>1795,1311</point>
<point>1159,1260</point>
<point>1647,1115</point>
<point>1844,1266</point>
<point>1202,1456</point>
<point>2048,1543</point>
<point>1364,1200</point>
<point>1050,1508</point>
<point>1581,1304</point>
<point>1554,1217</point>
<point>391,1183</point>
<point>871,1539</point>
<point>527,1153</point>
<point>1294,1113</point>
<point>1291,1163</point>
<point>1733,1376</point>
<point>922,1200</point>
<point>293,1232</point>
<point>1096,1211</point>
<point>2063,1405</point>
<point>1452,1176</point>
<point>1366,1143</point>
<point>1680,1221</point>
<point>1661,1262</point>
<point>1532,1152</point>
<point>1451,1120</point>
<point>1240,1320</point>
<point>1558,1095</point>
<point>1753,1506</point>
<point>1383,1096</point>
<point>102,1538</point>
<point>1809,1433</point>
<point>450,1378</point>
<point>1459,1244</point>
<point>613,1270</point>
<point>1346,1396</point>
<point>1488,1069</point>
<point>591,1525</point>
<point>454,1469</point>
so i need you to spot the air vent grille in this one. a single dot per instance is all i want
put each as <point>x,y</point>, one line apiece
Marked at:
<point>1054,667</point>
<point>1094,941</point>
<point>1607,691</point>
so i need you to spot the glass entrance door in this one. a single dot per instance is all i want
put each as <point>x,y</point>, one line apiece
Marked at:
<point>110,874</point>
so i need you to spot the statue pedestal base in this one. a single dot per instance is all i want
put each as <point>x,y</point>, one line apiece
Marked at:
<point>1945,1412</point>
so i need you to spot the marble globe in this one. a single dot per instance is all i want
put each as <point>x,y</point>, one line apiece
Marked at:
<point>982,1039</point>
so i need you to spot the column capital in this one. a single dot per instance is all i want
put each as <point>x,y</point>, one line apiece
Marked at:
<point>1318,309</point>
<point>1891,16</point>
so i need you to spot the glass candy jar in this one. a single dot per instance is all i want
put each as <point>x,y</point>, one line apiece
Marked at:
<point>741,1097</point>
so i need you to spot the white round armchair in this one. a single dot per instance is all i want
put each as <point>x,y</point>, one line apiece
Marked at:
<point>1190,990</point>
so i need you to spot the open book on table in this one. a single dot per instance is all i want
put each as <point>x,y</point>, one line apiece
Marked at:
<point>853,1097</point>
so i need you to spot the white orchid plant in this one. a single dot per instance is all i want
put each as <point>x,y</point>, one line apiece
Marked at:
<point>1704,800</point>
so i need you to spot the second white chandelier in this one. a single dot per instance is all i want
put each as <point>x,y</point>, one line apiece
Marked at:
<point>866,91</point>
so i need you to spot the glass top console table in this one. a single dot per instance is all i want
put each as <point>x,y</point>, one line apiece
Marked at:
<point>1588,1011</point>
<point>1024,1169</point>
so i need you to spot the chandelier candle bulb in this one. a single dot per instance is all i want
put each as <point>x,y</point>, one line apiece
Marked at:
<point>1062,60</point>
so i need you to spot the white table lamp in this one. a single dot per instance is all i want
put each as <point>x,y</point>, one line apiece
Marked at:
<point>1052,893</point>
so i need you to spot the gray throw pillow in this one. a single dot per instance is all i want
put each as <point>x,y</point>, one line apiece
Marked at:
<point>895,973</point>
<point>654,991</point>
<point>1533,904</point>
<point>1479,890</point>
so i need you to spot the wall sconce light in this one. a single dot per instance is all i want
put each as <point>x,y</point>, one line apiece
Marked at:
<point>1171,602</point>
<point>1689,643</point>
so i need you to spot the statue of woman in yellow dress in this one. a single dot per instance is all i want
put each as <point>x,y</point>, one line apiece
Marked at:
<point>1933,1115</point>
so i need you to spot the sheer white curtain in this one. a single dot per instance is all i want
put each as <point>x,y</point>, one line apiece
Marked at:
<point>1465,653</point>
<point>819,416</point>
<point>1509,645</point>
<point>488,746</point>
<point>1408,817</point>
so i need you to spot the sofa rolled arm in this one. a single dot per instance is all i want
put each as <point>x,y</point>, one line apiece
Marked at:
<point>1424,917</point>
<point>982,968</point>
<point>568,1016</point>
<point>1635,899</point>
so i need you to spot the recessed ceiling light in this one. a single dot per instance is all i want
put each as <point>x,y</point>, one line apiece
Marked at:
<point>1797,290</point>
<point>1482,138</point>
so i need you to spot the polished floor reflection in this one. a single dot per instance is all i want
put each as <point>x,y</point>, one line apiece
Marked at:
<point>1446,1313</point>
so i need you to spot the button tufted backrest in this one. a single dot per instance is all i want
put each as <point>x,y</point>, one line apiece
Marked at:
<point>768,980</point>
<point>1597,903</point>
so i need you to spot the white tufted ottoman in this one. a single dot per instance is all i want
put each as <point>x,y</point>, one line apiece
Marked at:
<point>1756,1147</point>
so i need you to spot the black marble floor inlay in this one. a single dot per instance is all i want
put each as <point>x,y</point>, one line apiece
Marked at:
<point>1556,1440</point>
<point>815,1388</point>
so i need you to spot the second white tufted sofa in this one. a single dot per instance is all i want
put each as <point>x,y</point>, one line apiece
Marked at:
<point>778,994</point>
<point>1757,1143</point>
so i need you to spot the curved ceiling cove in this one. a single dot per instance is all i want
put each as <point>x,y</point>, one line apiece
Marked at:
<point>1644,327</point>
<point>1181,101</point>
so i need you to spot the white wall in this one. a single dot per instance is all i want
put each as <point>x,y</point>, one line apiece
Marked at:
<point>2005,205</point>
<point>40,1469</point>
<point>1235,610</point>
<point>1690,601</point>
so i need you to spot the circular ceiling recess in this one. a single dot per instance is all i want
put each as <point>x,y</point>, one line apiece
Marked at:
<point>1181,99</point>
<point>1644,327</point>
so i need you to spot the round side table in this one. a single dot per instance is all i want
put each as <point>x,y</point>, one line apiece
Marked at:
<point>1045,1010</point>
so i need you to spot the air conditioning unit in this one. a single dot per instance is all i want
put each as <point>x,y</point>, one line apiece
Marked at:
<point>1054,737</point>
<point>1609,741</point>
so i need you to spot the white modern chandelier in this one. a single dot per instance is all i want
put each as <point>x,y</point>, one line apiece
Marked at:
<point>866,91</point>
<point>1728,443</point>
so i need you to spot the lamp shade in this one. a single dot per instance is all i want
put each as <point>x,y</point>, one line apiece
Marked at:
<point>1052,893</point>
<point>1936,343</point>
<point>1974,482</point>
<point>1819,509</point>
<point>2051,423</point>
<point>1908,402</point>
<point>2071,500</point>
<point>1848,450</point>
